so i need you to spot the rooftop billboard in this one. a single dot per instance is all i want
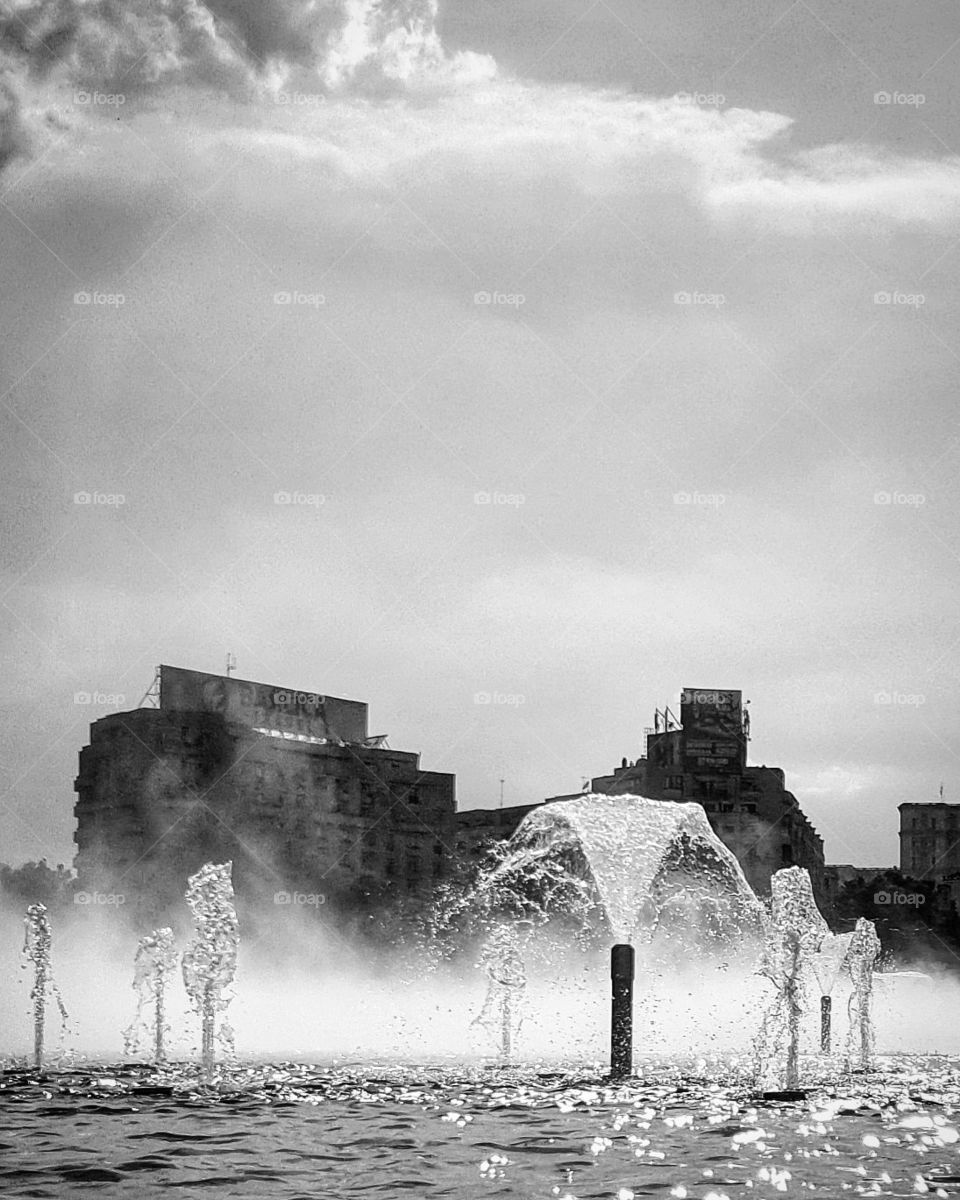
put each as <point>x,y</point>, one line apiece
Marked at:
<point>263,706</point>
<point>712,723</point>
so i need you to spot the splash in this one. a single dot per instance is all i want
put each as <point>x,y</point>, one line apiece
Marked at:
<point>502,960</point>
<point>210,962</point>
<point>36,949</point>
<point>794,936</point>
<point>826,965</point>
<point>642,859</point>
<point>862,954</point>
<point>153,965</point>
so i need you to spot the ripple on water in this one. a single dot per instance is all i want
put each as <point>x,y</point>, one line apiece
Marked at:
<point>292,1131</point>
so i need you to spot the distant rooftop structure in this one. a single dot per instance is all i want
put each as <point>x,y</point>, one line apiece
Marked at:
<point>265,707</point>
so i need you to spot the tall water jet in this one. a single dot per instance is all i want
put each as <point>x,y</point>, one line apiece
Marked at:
<point>36,949</point>
<point>210,962</point>
<point>826,964</point>
<point>502,960</point>
<point>795,933</point>
<point>153,965</point>
<point>861,957</point>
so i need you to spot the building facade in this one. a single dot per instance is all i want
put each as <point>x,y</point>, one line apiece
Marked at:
<point>930,843</point>
<point>287,785</point>
<point>703,757</point>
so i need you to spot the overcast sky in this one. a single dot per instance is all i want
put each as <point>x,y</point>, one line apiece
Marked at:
<point>619,355</point>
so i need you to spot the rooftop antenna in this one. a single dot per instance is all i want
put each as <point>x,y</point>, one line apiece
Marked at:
<point>151,697</point>
<point>501,793</point>
<point>941,789</point>
<point>231,664</point>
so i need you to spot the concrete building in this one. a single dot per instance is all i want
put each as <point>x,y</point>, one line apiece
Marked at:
<point>703,757</point>
<point>930,843</point>
<point>286,784</point>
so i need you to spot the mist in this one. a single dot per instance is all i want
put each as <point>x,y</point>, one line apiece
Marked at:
<point>305,992</point>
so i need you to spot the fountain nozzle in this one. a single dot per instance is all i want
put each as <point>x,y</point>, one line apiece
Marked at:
<point>621,1013</point>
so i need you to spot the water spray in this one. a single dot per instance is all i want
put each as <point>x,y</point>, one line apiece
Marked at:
<point>210,963</point>
<point>36,949</point>
<point>794,937</point>
<point>621,1010</point>
<point>826,964</point>
<point>153,965</point>
<point>502,959</point>
<point>864,949</point>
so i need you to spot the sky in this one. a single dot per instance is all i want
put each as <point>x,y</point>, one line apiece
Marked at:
<point>508,366</point>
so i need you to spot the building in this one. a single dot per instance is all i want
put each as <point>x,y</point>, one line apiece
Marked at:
<point>477,828</point>
<point>930,843</point>
<point>837,876</point>
<point>703,757</point>
<point>289,785</point>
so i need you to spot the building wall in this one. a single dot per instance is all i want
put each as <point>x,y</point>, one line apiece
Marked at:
<point>477,828</point>
<point>162,792</point>
<point>930,840</point>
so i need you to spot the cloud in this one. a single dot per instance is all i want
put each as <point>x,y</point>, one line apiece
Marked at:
<point>461,118</point>
<point>237,48</point>
<point>228,45</point>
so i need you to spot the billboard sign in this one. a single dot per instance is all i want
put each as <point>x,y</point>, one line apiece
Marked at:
<point>263,706</point>
<point>712,730</point>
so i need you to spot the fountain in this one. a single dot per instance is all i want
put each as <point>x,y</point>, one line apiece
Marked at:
<point>155,962</point>
<point>862,954</point>
<point>36,949</point>
<point>502,960</point>
<point>634,873</point>
<point>210,962</point>
<point>794,934</point>
<point>826,965</point>
<point>642,862</point>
